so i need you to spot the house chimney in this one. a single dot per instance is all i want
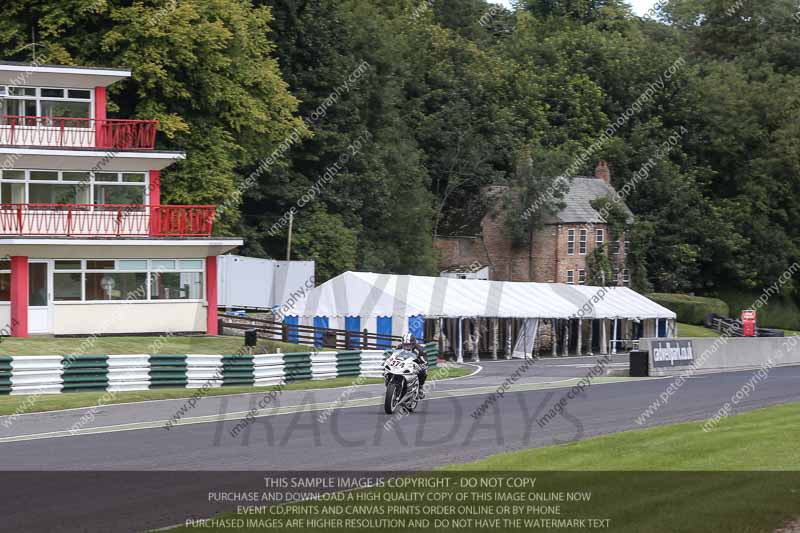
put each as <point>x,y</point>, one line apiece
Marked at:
<point>602,172</point>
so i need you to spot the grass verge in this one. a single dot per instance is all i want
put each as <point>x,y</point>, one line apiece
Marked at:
<point>53,402</point>
<point>134,345</point>
<point>690,330</point>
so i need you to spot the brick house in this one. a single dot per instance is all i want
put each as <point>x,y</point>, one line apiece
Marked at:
<point>558,250</point>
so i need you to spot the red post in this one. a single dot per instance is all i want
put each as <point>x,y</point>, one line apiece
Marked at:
<point>211,295</point>
<point>19,296</point>
<point>155,202</point>
<point>99,116</point>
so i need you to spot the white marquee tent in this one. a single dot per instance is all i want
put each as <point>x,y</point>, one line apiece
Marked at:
<point>389,303</point>
<point>367,295</point>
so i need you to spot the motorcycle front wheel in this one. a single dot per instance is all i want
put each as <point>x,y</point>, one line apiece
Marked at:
<point>392,399</point>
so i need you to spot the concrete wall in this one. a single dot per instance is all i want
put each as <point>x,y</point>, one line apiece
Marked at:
<point>133,317</point>
<point>718,354</point>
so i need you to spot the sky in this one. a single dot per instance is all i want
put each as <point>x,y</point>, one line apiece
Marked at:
<point>639,6</point>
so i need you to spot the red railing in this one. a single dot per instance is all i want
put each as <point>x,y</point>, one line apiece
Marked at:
<point>78,132</point>
<point>106,220</point>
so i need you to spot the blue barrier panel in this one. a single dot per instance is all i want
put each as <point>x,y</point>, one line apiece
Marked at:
<point>353,323</point>
<point>415,324</point>
<point>292,333</point>
<point>320,322</point>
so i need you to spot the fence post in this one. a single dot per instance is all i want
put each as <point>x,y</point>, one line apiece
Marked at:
<point>346,340</point>
<point>284,332</point>
<point>365,342</point>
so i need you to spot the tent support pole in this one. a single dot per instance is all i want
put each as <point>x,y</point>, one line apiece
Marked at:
<point>460,353</point>
<point>437,334</point>
<point>476,323</point>
<point>508,337</point>
<point>495,337</point>
<point>554,336</point>
<point>580,336</point>
<point>614,338</point>
<point>567,324</point>
<point>603,337</point>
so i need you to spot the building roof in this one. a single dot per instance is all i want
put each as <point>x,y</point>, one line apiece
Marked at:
<point>34,74</point>
<point>577,202</point>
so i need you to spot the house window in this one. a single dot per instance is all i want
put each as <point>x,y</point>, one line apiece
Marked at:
<point>582,243</point>
<point>95,280</point>
<point>598,237</point>
<point>581,277</point>
<point>626,278</point>
<point>570,277</point>
<point>49,103</point>
<point>177,280</point>
<point>616,276</point>
<point>570,242</point>
<point>627,246</point>
<point>615,245</point>
<point>5,281</point>
<point>71,187</point>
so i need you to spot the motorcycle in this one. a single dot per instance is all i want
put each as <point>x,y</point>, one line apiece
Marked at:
<point>401,378</point>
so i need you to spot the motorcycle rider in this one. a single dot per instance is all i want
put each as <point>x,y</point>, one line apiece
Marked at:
<point>409,343</point>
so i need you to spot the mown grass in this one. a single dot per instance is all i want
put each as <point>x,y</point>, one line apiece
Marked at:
<point>764,439</point>
<point>690,330</point>
<point>53,402</point>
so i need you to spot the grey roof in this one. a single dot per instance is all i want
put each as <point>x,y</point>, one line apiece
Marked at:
<point>578,198</point>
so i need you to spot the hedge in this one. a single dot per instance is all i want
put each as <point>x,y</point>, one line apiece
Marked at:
<point>779,312</point>
<point>690,309</point>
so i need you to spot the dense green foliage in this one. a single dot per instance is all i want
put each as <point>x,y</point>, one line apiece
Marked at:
<point>691,309</point>
<point>777,312</point>
<point>431,100</point>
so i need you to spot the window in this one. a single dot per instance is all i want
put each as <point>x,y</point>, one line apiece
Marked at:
<point>67,286</point>
<point>126,279</point>
<point>73,187</point>
<point>100,265</point>
<point>5,281</point>
<point>627,246</point>
<point>49,102</point>
<point>616,276</point>
<point>615,245</point>
<point>116,285</point>
<point>570,242</point>
<point>570,277</point>
<point>12,193</point>
<point>581,277</point>
<point>176,285</point>
<point>582,244</point>
<point>118,194</point>
<point>626,279</point>
<point>598,237</point>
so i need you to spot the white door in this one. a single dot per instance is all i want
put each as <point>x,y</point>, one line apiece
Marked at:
<point>39,297</point>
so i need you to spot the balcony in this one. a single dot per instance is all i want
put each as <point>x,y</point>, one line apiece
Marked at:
<point>65,132</point>
<point>106,220</point>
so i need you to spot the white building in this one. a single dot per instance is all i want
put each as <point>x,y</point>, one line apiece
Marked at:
<point>86,247</point>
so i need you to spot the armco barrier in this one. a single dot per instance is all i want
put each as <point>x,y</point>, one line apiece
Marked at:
<point>49,374</point>
<point>718,354</point>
